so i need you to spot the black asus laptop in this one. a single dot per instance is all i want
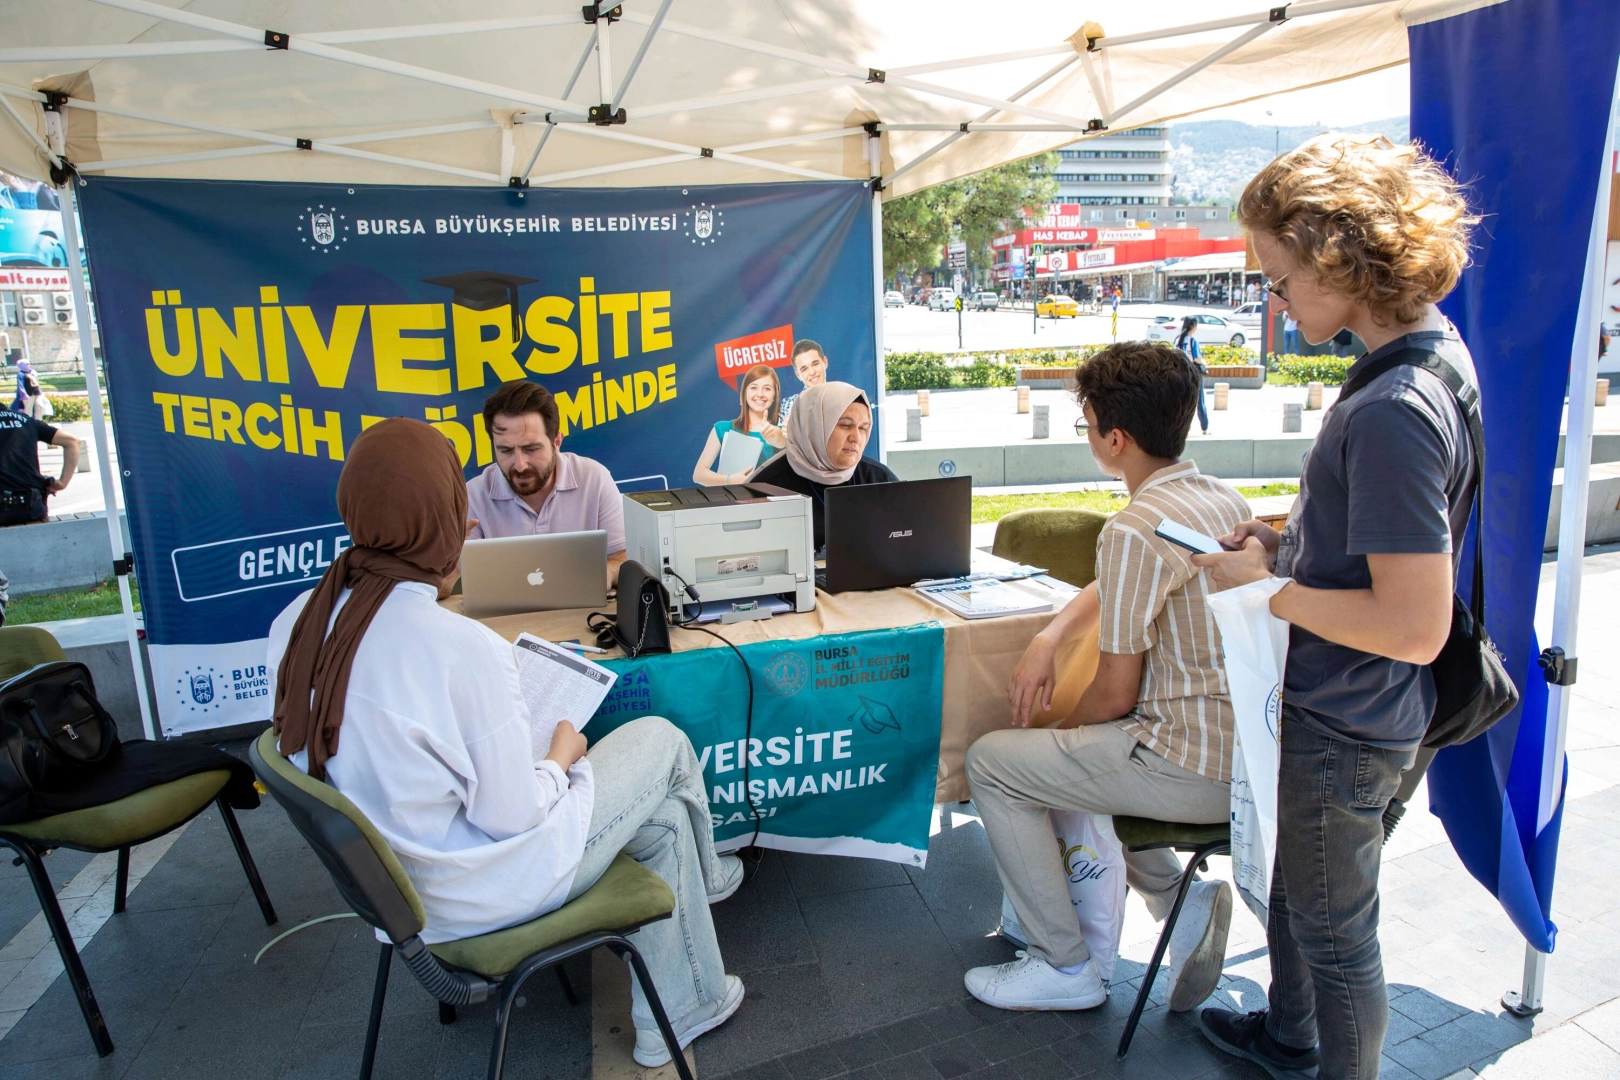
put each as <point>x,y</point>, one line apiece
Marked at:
<point>882,536</point>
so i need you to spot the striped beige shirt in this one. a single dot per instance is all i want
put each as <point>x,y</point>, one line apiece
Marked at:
<point>1153,602</point>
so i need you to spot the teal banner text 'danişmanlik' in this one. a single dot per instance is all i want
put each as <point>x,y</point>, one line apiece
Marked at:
<point>843,753</point>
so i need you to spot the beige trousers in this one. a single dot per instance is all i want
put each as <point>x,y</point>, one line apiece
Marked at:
<point>1018,775</point>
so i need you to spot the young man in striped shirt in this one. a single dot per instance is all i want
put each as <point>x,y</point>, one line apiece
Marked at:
<point>1152,736</point>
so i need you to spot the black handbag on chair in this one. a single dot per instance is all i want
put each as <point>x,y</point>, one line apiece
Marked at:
<point>1472,687</point>
<point>53,733</point>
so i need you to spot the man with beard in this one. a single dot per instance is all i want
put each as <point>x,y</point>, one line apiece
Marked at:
<point>533,487</point>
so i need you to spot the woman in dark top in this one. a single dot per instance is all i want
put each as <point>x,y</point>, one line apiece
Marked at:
<point>826,436</point>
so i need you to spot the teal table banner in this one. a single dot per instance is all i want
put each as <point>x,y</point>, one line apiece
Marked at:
<point>844,749</point>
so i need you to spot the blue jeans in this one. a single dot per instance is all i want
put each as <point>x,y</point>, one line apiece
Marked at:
<point>1203,417</point>
<point>1291,342</point>
<point>1327,974</point>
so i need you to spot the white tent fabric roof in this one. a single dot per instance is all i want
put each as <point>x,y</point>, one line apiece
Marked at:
<point>715,91</point>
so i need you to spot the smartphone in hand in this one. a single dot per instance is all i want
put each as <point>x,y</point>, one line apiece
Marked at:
<point>1191,539</point>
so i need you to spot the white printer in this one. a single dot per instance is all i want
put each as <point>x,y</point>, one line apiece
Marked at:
<point>739,543</point>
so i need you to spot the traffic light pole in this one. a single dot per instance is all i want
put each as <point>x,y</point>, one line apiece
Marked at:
<point>958,322</point>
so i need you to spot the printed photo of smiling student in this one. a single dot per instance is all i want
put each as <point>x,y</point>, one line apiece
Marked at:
<point>760,394</point>
<point>810,365</point>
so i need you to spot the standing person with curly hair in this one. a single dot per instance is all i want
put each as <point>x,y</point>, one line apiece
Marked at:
<point>1354,234</point>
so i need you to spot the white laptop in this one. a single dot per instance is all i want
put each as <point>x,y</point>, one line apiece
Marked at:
<point>517,574</point>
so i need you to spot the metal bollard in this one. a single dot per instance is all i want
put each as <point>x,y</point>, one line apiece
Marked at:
<point>913,425</point>
<point>84,456</point>
<point>1043,421</point>
<point>1221,392</point>
<point>1023,399</point>
<point>1602,396</point>
<point>1293,416</point>
<point>922,402</point>
<point>1313,396</point>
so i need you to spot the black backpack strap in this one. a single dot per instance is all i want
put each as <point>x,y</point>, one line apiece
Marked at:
<point>1467,398</point>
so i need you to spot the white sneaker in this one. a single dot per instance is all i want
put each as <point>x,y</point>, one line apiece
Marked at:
<point>1031,983</point>
<point>1198,947</point>
<point>731,868</point>
<point>651,1051</point>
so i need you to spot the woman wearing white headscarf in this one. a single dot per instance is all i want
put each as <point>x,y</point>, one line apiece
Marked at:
<point>826,438</point>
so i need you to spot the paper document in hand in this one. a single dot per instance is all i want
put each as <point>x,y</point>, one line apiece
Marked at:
<point>558,685</point>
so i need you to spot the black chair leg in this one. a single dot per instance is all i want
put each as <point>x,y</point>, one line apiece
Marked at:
<point>378,993</point>
<point>46,892</point>
<point>624,949</point>
<point>121,885</point>
<point>248,866</point>
<point>447,1014</point>
<point>567,986</point>
<point>1152,972</point>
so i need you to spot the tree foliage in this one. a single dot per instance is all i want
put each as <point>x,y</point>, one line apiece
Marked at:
<point>974,209</point>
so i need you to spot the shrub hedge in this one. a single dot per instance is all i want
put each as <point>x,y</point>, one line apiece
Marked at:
<point>66,409</point>
<point>1299,370</point>
<point>942,371</point>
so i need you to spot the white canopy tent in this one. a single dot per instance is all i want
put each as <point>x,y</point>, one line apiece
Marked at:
<point>906,93</point>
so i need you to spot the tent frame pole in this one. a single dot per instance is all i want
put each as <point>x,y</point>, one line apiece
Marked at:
<point>1572,529</point>
<point>874,159</point>
<point>123,562</point>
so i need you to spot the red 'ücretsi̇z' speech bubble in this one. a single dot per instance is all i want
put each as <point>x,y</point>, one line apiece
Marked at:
<point>773,347</point>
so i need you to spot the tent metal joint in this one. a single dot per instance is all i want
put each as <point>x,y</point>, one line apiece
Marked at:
<point>876,75</point>
<point>602,115</point>
<point>305,144</point>
<point>55,101</point>
<point>706,151</point>
<point>125,566</point>
<point>275,39</point>
<point>1278,14</point>
<point>595,12</point>
<point>1095,124</point>
<point>517,181</point>
<point>1558,668</point>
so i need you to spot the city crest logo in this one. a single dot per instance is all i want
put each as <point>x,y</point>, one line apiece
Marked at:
<point>704,224</point>
<point>322,228</point>
<point>786,674</point>
<point>197,691</point>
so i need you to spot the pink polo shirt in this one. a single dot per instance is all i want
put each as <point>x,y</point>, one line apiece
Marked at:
<point>584,499</point>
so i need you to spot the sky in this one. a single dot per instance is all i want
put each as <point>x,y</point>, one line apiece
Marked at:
<point>1378,96</point>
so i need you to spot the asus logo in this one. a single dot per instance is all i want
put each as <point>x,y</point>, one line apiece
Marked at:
<point>899,534</point>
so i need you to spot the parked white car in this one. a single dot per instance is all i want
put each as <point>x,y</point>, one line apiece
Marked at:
<point>1249,316</point>
<point>1212,330</point>
<point>893,299</point>
<point>942,300</point>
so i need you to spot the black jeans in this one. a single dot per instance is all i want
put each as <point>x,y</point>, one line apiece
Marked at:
<point>1327,975</point>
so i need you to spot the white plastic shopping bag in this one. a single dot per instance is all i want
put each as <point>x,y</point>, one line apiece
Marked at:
<point>1094,863</point>
<point>1255,647</point>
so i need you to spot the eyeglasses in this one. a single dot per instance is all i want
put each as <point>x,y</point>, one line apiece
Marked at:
<point>1080,425</point>
<point>1273,286</point>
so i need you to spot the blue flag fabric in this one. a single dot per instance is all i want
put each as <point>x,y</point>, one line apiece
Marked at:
<point>1529,148</point>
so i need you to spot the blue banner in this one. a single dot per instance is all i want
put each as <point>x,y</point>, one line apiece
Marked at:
<point>842,753</point>
<point>1530,151</point>
<point>252,331</point>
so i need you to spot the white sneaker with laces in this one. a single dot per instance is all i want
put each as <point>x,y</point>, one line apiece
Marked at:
<point>1031,983</point>
<point>732,867</point>
<point>1198,947</point>
<point>651,1050</point>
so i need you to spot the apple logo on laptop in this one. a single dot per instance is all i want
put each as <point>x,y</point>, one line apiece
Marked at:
<point>537,577</point>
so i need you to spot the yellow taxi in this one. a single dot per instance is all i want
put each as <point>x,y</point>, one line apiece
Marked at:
<point>1057,305</point>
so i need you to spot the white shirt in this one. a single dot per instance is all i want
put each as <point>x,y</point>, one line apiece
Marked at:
<point>436,750</point>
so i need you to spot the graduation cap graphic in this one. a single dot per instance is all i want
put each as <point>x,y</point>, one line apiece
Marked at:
<point>483,290</point>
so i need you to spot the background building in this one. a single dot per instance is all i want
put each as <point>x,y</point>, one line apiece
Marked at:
<point>1128,176</point>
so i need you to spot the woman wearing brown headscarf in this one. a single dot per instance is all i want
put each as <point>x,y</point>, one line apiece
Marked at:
<point>415,713</point>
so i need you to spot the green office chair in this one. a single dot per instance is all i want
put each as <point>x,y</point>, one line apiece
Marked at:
<point>475,969</point>
<point>1145,834</point>
<point>115,826</point>
<point>1062,539</point>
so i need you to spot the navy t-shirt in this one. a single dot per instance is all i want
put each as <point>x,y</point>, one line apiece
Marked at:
<point>1390,473</point>
<point>19,456</point>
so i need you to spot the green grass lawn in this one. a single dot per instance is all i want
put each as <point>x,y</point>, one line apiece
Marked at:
<point>99,599</point>
<point>63,382</point>
<point>988,508</point>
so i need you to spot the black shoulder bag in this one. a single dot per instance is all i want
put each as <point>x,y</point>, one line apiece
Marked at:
<point>53,733</point>
<point>1472,688</point>
<point>641,623</point>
